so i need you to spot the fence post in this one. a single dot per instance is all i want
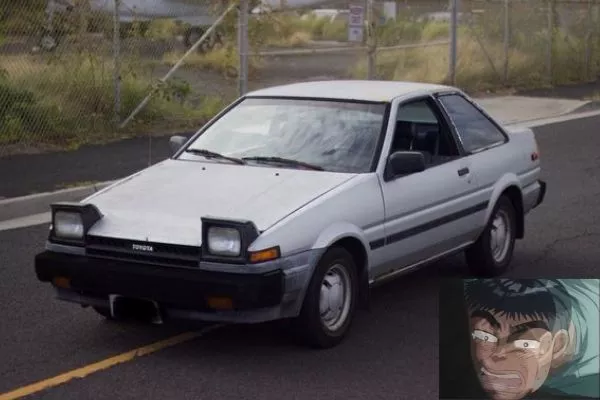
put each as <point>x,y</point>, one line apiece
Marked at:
<point>550,50</point>
<point>453,41</point>
<point>588,41</point>
<point>83,7</point>
<point>243,46</point>
<point>371,67</point>
<point>595,38</point>
<point>507,35</point>
<point>117,60</point>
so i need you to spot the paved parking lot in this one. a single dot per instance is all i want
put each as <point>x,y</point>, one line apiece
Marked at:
<point>391,353</point>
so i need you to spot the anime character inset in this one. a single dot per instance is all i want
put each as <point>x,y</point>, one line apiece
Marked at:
<point>535,338</point>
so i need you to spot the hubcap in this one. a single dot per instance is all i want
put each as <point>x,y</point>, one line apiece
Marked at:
<point>500,236</point>
<point>334,301</point>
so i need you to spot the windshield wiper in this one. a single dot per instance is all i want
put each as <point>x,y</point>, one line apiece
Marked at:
<point>286,161</point>
<point>212,154</point>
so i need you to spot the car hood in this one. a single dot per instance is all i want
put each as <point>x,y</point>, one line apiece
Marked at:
<point>164,203</point>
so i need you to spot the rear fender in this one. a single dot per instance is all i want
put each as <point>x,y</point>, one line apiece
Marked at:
<point>503,183</point>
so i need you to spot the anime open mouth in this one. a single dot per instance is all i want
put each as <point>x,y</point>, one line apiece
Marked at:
<point>500,382</point>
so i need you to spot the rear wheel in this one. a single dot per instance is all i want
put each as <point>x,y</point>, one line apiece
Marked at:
<point>492,253</point>
<point>330,302</point>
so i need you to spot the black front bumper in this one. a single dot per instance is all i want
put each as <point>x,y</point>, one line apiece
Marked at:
<point>183,288</point>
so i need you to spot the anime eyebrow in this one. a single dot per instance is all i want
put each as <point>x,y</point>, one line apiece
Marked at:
<point>515,331</point>
<point>488,317</point>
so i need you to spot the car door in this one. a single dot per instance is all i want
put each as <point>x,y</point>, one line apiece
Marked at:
<point>481,138</point>
<point>429,213</point>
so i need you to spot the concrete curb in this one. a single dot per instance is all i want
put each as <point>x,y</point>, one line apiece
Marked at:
<point>18,207</point>
<point>589,106</point>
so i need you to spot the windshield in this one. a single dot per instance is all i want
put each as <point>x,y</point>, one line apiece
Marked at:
<point>336,136</point>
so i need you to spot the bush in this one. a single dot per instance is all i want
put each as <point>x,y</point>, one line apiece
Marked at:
<point>393,33</point>
<point>20,113</point>
<point>474,72</point>
<point>435,31</point>
<point>337,31</point>
<point>73,102</point>
<point>162,29</point>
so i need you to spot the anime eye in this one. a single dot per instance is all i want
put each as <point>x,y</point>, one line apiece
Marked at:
<point>527,344</point>
<point>484,336</point>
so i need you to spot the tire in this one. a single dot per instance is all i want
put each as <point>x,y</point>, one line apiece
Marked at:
<point>336,266</point>
<point>482,259</point>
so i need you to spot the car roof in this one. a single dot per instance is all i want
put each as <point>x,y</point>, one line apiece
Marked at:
<point>360,90</point>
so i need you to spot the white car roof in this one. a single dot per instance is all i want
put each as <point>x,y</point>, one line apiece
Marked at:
<point>361,90</point>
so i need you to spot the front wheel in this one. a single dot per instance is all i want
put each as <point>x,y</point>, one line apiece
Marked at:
<point>330,302</point>
<point>491,254</point>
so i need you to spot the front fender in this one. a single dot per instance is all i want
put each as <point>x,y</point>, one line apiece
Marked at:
<point>337,231</point>
<point>345,230</point>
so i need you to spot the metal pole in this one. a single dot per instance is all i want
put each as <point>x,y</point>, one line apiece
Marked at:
<point>371,67</point>
<point>550,48</point>
<point>178,64</point>
<point>594,39</point>
<point>243,47</point>
<point>506,38</point>
<point>588,42</point>
<point>117,60</point>
<point>453,40</point>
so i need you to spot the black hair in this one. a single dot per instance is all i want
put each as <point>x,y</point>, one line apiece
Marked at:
<point>521,298</point>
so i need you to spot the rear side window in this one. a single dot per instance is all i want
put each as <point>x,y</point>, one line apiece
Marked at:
<point>418,111</point>
<point>475,130</point>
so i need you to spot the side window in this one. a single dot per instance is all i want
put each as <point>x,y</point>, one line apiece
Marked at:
<point>420,127</point>
<point>476,131</point>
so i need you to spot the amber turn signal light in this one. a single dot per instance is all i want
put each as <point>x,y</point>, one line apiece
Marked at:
<point>269,254</point>
<point>220,303</point>
<point>62,282</point>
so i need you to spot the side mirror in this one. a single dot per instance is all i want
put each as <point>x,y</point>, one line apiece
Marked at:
<point>404,163</point>
<point>176,142</point>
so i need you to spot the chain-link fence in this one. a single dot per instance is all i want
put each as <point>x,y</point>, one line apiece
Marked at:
<point>79,71</point>
<point>73,70</point>
<point>358,40</point>
<point>529,43</point>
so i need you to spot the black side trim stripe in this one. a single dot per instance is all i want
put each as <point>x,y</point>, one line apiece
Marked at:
<point>398,236</point>
<point>375,244</point>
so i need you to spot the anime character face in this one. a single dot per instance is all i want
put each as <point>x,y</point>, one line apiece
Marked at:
<point>513,356</point>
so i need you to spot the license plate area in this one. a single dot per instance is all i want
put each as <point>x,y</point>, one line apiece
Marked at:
<point>131,308</point>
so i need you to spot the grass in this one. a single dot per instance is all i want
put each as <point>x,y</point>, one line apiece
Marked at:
<point>73,185</point>
<point>71,102</point>
<point>224,60</point>
<point>480,62</point>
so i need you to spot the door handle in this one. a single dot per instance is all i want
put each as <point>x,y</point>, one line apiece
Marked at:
<point>463,171</point>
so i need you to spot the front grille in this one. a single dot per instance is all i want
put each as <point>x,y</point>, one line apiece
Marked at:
<point>161,253</point>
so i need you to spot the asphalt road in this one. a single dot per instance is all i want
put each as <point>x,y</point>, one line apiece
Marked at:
<point>392,350</point>
<point>43,172</point>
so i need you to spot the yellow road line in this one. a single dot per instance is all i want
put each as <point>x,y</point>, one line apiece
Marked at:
<point>104,364</point>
